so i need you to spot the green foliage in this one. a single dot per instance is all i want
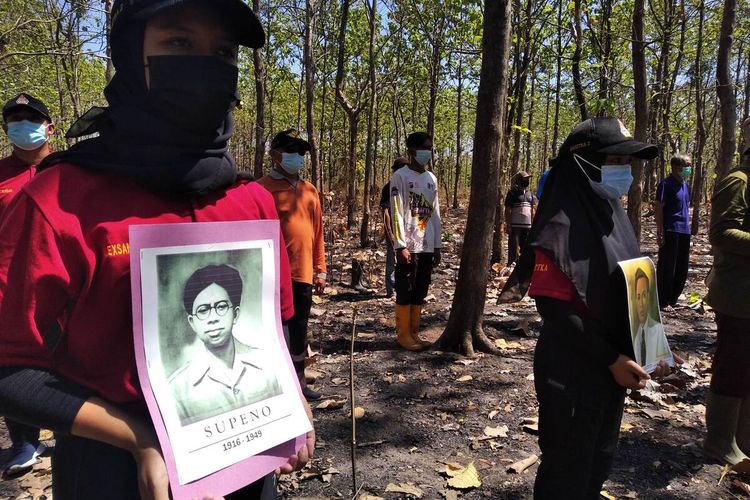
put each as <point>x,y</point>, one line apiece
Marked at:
<point>54,49</point>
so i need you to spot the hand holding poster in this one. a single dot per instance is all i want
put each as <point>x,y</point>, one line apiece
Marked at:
<point>212,363</point>
<point>647,332</point>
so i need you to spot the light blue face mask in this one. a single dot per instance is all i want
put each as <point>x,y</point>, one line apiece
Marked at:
<point>292,163</point>
<point>616,179</point>
<point>27,135</point>
<point>423,156</point>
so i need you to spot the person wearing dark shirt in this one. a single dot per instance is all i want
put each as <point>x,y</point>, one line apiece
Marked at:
<point>385,207</point>
<point>28,125</point>
<point>584,357</point>
<point>673,231</point>
<point>520,206</point>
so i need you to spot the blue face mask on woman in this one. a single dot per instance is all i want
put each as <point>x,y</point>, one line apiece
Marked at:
<point>27,135</point>
<point>616,179</point>
<point>292,163</point>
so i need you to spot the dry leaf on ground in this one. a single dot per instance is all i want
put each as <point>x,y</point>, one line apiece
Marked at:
<point>406,488</point>
<point>505,345</point>
<point>464,378</point>
<point>499,431</point>
<point>359,412</point>
<point>331,404</point>
<point>462,478</point>
<point>367,496</point>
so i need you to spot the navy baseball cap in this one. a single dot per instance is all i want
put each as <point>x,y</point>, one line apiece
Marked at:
<point>606,135</point>
<point>248,28</point>
<point>24,100</point>
<point>290,139</point>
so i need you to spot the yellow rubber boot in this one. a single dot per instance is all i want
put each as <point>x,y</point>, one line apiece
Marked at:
<point>416,317</point>
<point>403,329</point>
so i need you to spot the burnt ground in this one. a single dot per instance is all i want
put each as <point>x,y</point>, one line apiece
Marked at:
<point>425,410</point>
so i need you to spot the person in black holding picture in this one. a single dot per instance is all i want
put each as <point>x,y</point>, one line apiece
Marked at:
<point>584,358</point>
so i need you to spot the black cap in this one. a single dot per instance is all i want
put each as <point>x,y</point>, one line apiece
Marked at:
<point>249,29</point>
<point>606,135</point>
<point>290,139</point>
<point>23,100</point>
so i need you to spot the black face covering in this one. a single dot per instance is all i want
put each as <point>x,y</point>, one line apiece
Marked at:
<point>170,137</point>
<point>524,183</point>
<point>192,92</point>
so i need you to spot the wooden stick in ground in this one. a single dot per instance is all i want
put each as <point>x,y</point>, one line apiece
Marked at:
<point>351,403</point>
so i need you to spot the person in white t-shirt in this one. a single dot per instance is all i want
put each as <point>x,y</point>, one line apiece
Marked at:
<point>415,215</point>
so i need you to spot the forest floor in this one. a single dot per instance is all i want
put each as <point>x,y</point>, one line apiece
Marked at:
<point>431,412</point>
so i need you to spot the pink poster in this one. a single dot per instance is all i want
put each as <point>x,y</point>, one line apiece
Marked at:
<point>210,350</point>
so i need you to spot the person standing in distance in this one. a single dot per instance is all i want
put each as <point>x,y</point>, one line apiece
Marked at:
<point>672,214</point>
<point>28,125</point>
<point>415,212</point>
<point>298,204</point>
<point>385,207</point>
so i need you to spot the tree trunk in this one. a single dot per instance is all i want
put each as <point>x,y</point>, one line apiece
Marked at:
<point>725,90</point>
<point>459,115</point>
<point>578,36</point>
<point>352,113</point>
<point>696,194</point>
<point>364,227</point>
<point>260,106</point>
<point>555,133</point>
<point>464,330</point>
<point>641,115</point>
<point>311,15</point>
<point>110,72</point>
<point>530,123</point>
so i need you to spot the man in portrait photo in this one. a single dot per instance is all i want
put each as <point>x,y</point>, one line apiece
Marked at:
<point>649,341</point>
<point>223,374</point>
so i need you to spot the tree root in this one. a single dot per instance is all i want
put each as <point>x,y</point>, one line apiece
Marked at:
<point>468,343</point>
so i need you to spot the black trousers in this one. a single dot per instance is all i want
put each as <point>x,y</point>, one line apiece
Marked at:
<point>302,295</point>
<point>516,240</point>
<point>672,268</point>
<point>22,433</point>
<point>730,370</point>
<point>580,409</point>
<point>83,469</point>
<point>413,279</point>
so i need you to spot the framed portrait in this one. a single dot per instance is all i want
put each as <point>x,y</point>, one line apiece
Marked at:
<point>212,360</point>
<point>646,329</point>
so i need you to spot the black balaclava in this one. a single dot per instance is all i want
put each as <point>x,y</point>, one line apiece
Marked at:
<point>582,233</point>
<point>164,137</point>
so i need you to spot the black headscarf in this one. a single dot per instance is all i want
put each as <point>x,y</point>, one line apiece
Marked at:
<point>137,141</point>
<point>582,233</point>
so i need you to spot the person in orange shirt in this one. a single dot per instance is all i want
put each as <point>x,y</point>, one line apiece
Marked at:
<point>298,205</point>
<point>27,123</point>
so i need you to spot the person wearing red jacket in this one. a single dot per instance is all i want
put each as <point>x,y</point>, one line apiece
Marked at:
<point>28,125</point>
<point>160,155</point>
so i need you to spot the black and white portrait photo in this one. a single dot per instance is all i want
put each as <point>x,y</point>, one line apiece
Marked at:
<point>222,373</point>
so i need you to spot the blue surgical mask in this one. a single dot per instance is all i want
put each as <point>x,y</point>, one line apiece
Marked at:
<point>292,163</point>
<point>27,135</point>
<point>616,179</point>
<point>423,156</point>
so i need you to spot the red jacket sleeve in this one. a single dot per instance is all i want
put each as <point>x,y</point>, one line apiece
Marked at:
<point>35,286</point>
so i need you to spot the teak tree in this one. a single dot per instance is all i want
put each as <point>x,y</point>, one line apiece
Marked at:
<point>464,331</point>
